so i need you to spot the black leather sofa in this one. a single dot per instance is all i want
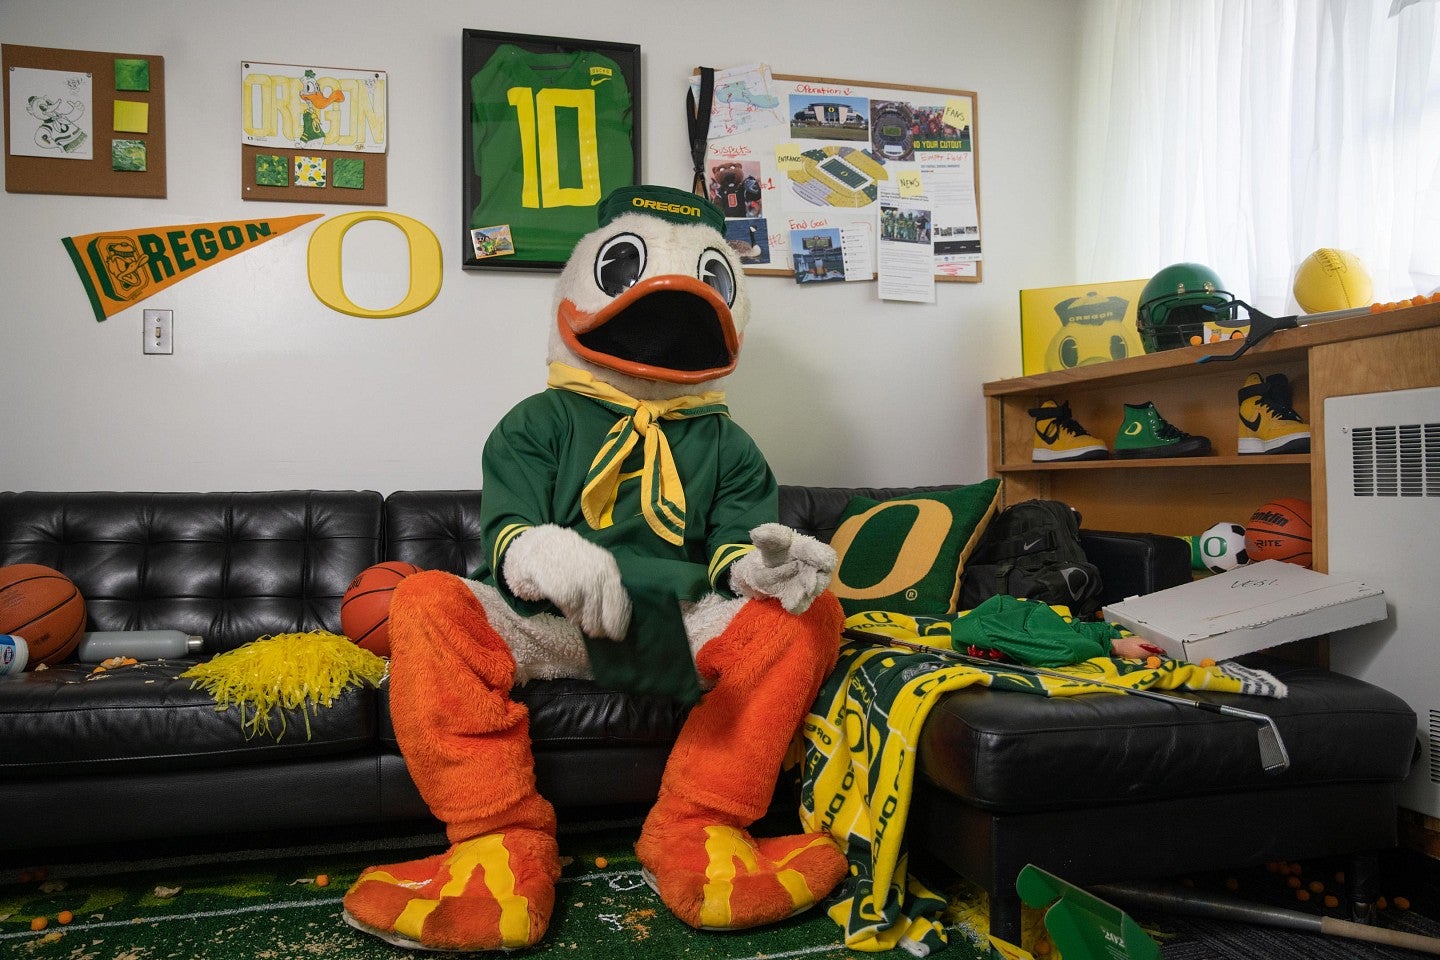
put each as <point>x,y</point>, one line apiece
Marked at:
<point>1094,789</point>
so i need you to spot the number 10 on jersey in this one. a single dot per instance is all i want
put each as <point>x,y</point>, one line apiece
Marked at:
<point>535,111</point>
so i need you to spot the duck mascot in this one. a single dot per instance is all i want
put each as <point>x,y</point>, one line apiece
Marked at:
<point>631,537</point>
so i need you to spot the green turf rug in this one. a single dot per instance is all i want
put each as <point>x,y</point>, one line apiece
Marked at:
<point>271,904</point>
<point>275,908</point>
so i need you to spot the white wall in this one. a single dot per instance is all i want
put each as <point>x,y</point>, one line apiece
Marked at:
<point>269,389</point>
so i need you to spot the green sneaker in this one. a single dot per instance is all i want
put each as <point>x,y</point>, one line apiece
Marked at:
<point>1145,433</point>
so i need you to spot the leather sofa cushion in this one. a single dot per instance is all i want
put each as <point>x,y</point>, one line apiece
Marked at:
<point>1018,752</point>
<point>67,720</point>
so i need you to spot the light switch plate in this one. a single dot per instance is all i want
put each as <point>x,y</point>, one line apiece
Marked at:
<point>159,331</point>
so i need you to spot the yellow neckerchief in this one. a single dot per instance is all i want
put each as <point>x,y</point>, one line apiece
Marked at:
<point>662,498</point>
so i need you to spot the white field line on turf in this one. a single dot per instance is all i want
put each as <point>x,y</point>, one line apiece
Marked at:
<point>200,915</point>
<point>252,908</point>
<point>329,901</point>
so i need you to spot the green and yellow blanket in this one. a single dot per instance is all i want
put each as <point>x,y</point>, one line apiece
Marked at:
<point>859,750</point>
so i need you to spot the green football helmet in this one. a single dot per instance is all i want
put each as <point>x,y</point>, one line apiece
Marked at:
<point>1172,305</point>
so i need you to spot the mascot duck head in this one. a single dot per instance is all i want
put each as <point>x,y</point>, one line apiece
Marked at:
<point>652,302</point>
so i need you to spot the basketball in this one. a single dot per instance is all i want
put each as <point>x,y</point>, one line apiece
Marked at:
<point>1331,279</point>
<point>365,609</point>
<point>45,607</point>
<point>1280,530</point>
<point>1222,548</point>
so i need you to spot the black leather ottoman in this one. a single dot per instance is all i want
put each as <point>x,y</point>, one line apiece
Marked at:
<point>1106,787</point>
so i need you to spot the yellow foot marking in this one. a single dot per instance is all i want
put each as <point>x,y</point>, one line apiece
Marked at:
<point>724,847</point>
<point>488,854</point>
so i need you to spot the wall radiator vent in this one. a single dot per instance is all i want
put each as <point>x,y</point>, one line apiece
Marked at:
<point>1382,499</point>
<point>1435,746</point>
<point>1397,460</point>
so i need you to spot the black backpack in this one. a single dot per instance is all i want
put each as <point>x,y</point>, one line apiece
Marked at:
<point>1032,549</point>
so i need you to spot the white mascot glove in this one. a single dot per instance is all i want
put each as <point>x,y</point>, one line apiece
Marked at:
<point>581,579</point>
<point>789,566</point>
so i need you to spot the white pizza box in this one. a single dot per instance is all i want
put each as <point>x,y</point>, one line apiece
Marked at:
<point>1250,608</point>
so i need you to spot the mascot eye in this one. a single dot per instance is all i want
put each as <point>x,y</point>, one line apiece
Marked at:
<point>620,263</point>
<point>1069,352</point>
<point>1118,348</point>
<point>714,271</point>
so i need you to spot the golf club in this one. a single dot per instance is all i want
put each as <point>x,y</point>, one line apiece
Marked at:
<point>1273,755</point>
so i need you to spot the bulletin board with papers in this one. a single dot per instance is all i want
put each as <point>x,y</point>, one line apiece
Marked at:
<point>816,175</point>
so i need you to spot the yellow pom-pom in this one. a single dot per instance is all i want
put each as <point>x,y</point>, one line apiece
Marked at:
<point>289,671</point>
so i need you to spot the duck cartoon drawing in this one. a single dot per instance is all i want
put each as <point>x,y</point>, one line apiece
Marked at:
<point>316,100</point>
<point>58,128</point>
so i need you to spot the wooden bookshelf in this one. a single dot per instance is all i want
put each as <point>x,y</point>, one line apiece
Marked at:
<point>1389,350</point>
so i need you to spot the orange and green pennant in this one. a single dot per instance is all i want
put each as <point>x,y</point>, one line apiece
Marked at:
<point>122,267</point>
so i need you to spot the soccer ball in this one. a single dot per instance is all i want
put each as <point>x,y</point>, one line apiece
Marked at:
<point>1222,547</point>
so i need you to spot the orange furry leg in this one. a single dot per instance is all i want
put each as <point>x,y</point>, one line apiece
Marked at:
<point>467,745</point>
<point>695,847</point>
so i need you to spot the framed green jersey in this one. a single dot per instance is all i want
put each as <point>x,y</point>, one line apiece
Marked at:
<point>551,126</point>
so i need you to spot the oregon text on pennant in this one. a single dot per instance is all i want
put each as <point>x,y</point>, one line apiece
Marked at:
<point>122,267</point>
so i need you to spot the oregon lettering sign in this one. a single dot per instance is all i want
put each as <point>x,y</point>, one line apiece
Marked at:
<point>119,268</point>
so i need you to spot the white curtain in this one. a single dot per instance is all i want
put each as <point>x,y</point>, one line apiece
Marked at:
<point>1244,134</point>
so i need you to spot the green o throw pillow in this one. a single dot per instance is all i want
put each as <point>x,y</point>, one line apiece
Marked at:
<point>906,555</point>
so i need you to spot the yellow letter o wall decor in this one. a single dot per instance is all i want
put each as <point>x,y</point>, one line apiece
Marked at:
<point>325,265</point>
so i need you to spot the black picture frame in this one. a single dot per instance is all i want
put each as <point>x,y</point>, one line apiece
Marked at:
<point>477,49</point>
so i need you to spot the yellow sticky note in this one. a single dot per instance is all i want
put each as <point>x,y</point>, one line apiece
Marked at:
<point>787,156</point>
<point>957,112</point>
<point>132,116</point>
<point>909,183</point>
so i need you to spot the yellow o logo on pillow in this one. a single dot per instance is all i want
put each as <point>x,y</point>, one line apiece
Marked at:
<point>905,554</point>
<point>915,556</point>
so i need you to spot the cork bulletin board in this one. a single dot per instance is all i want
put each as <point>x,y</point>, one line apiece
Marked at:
<point>313,134</point>
<point>83,122</point>
<point>790,155</point>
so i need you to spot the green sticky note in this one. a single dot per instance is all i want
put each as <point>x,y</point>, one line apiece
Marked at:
<point>272,171</point>
<point>348,172</point>
<point>132,116</point>
<point>127,155</point>
<point>132,74</point>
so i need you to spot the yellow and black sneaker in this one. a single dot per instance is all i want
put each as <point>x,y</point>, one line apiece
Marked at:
<point>1145,433</point>
<point>1059,438</point>
<point>1268,424</point>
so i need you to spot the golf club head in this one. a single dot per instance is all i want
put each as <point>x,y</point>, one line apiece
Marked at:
<point>1273,755</point>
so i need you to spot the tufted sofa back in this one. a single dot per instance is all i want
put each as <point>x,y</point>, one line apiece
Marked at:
<point>229,567</point>
<point>232,567</point>
<point>440,529</point>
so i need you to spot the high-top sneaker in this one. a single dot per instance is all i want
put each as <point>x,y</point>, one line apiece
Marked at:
<point>1145,433</point>
<point>1268,424</point>
<point>1058,437</point>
